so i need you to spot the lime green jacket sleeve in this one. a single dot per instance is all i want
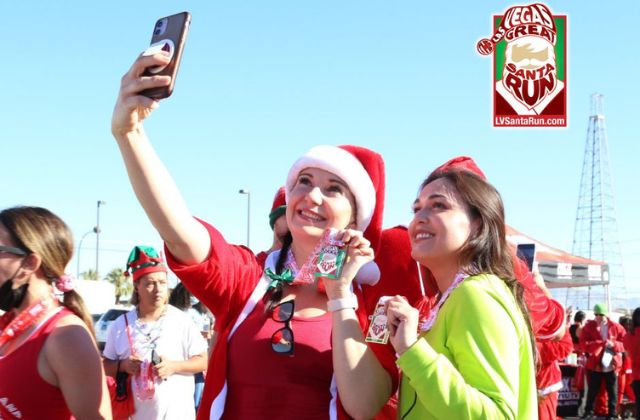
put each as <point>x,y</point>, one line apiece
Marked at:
<point>469,366</point>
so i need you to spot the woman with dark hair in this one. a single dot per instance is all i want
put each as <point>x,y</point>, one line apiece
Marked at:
<point>473,357</point>
<point>180,297</point>
<point>576,329</point>
<point>632,347</point>
<point>47,348</point>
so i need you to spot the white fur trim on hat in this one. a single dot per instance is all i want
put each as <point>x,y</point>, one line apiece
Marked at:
<point>368,274</point>
<point>345,165</point>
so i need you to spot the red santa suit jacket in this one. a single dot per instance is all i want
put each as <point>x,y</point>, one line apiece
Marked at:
<point>230,282</point>
<point>593,344</point>
<point>632,346</point>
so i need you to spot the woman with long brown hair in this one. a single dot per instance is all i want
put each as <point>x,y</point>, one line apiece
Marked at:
<point>49,364</point>
<point>473,356</point>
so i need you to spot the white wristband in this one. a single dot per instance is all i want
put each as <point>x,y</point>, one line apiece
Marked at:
<point>344,303</point>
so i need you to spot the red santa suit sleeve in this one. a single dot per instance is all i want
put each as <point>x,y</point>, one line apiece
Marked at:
<point>224,280</point>
<point>549,376</point>
<point>547,314</point>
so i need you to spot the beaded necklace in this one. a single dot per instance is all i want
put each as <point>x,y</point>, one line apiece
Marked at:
<point>148,333</point>
<point>146,378</point>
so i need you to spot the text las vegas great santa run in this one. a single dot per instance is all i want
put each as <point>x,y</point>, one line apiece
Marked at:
<point>529,47</point>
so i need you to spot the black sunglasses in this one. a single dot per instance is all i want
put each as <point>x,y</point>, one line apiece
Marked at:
<point>282,339</point>
<point>13,250</point>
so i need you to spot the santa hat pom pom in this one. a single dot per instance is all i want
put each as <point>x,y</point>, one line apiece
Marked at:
<point>368,274</point>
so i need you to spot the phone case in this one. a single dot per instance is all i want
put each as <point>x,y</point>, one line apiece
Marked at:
<point>169,34</point>
<point>155,359</point>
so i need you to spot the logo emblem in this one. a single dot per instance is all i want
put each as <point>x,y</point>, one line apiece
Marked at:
<point>529,47</point>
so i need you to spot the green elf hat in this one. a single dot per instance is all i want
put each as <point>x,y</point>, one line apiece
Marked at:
<point>144,260</point>
<point>278,208</point>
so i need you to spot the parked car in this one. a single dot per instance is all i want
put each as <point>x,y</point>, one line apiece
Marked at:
<point>105,320</point>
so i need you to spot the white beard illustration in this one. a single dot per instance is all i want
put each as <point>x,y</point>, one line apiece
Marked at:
<point>529,73</point>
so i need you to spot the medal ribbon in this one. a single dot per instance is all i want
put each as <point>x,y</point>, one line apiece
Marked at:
<point>433,315</point>
<point>11,326</point>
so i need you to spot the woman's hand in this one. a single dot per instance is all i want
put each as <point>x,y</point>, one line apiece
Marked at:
<point>402,320</point>
<point>132,108</point>
<point>165,368</point>
<point>131,365</point>
<point>359,252</point>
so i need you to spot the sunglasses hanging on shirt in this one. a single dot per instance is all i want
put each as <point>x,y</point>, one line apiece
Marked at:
<point>282,339</point>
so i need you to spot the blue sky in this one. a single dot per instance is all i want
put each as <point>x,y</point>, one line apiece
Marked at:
<point>262,82</point>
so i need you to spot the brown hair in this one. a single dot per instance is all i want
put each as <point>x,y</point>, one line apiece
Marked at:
<point>41,232</point>
<point>487,250</point>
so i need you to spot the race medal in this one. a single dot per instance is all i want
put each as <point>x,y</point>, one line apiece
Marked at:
<point>331,256</point>
<point>378,330</point>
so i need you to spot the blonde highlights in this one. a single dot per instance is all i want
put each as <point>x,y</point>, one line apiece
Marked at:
<point>39,231</point>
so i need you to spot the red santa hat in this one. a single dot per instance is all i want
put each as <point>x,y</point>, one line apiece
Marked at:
<point>363,171</point>
<point>278,208</point>
<point>461,163</point>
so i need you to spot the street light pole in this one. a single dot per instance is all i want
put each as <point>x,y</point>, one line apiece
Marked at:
<point>79,248</point>
<point>248,194</point>
<point>97,231</point>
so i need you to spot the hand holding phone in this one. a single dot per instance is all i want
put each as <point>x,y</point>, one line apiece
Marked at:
<point>169,35</point>
<point>155,359</point>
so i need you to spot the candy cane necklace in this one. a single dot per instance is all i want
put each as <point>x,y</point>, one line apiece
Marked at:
<point>12,326</point>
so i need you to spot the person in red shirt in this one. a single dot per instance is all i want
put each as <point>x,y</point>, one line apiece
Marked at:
<point>625,374</point>
<point>632,347</point>
<point>265,316</point>
<point>576,329</point>
<point>549,376</point>
<point>602,339</point>
<point>278,223</point>
<point>50,367</point>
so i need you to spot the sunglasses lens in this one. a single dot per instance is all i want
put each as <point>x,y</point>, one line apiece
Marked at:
<point>282,340</point>
<point>13,250</point>
<point>283,312</point>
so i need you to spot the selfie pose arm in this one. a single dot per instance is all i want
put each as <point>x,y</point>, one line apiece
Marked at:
<point>154,187</point>
<point>363,384</point>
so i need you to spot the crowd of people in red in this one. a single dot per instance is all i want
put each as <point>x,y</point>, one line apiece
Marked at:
<point>608,359</point>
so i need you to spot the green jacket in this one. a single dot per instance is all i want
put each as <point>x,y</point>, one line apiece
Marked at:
<point>475,363</point>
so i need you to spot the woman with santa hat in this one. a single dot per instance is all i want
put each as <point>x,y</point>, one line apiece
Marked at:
<point>289,346</point>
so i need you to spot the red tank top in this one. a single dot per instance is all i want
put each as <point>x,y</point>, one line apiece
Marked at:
<point>23,393</point>
<point>265,385</point>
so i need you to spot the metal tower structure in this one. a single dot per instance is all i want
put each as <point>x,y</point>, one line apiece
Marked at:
<point>595,233</point>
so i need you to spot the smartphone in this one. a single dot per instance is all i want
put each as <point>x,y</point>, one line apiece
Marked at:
<point>169,34</point>
<point>527,253</point>
<point>155,359</point>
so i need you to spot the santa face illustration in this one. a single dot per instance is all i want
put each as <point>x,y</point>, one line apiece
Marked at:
<point>530,71</point>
